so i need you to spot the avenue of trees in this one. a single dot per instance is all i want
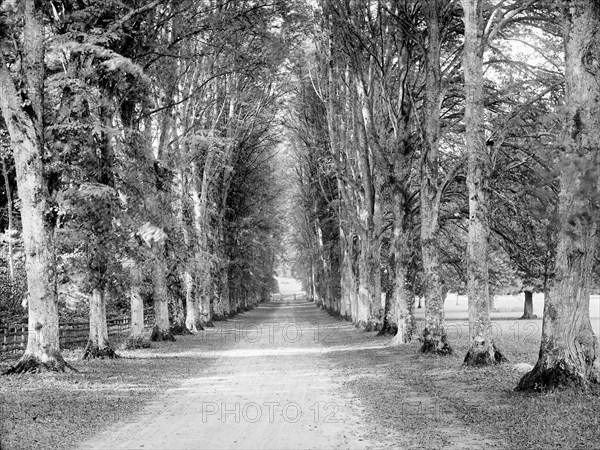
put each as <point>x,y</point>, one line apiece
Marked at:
<point>437,145</point>
<point>138,137</point>
<point>453,146</point>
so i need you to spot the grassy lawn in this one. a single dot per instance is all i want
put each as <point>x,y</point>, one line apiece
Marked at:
<point>418,395</point>
<point>50,411</point>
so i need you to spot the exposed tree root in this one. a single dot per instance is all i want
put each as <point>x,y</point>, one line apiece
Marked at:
<point>49,362</point>
<point>559,377</point>
<point>159,335</point>
<point>92,351</point>
<point>134,343</point>
<point>431,345</point>
<point>479,357</point>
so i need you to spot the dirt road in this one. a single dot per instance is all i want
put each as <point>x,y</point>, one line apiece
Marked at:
<point>270,387</point>
<point>273,382</point>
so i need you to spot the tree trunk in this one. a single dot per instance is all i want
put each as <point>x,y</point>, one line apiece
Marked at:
<point>369,285</point>
<point>569,349</point>
<point>349,286</point>
<point>162,326</point>
<point>528,307</point>
<point>178,325</point>
<point>224,299</point>
<point>346,277</point>
<point>26,133</point>
<point>482,350</point>
<point>98,345</point>
<point>403,297</point>
<point>192,321</point>
<point>200,199</point>
<point>434,334</point>
<point>9,208</point>
<point>136,331</point>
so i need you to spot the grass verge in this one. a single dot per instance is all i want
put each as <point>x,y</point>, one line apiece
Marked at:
<point>427,401</point>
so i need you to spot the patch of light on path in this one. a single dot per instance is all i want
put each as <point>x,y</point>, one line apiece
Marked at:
<point>254,353</point>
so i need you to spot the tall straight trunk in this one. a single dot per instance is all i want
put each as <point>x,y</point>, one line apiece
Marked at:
<point>315,294</point>
<point>192,321</point>
<point>482,350</point>
<point>369,314</point>
<point>369,276</point>
<point>179,316</point>
<point>434,334</point>
<point>569,349</point>
<point>26,132</point>
<point>136,330</point>
<point>9,210</point>
<point>224,295</point>
<point>98,345</point>
<point>349,289</point>
<point>345,277</point>
<point>403,303</point>
<point>200,199</point>
<point>223,300</point>
<point>162,325</point>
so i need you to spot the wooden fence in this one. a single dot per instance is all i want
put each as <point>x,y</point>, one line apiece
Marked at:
<point>13,338</point>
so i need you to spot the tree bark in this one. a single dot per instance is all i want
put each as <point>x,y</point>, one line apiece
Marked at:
<point>346,277</point>
<point>200,199</point>
<point>26,132</point>
<point>569,349</point>
<point>98,345</point>
<point>403,303</point>
<point>136,331</point>
<point>434,334</point>
<point>482,350</point>
<point>162,326</point>
<point>192,322</point>
<point>179,316</point>
<point>369,314</point>
<point>349,287</point>
<point>9,208</point>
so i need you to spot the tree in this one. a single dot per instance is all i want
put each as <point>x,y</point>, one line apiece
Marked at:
<point>434,335</point>
<point>569,349</point>
<point>482,350</point>
<point>23,112</point>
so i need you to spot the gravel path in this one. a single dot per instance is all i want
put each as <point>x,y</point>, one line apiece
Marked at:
<point>276,378</point>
